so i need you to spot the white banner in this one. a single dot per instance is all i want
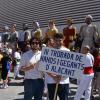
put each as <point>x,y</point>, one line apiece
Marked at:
<point>62,62</point>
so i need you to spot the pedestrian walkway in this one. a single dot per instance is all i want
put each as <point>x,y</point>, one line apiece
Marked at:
<point>15,91</point>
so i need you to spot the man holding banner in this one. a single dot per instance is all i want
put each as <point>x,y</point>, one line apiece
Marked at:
<point>56,83</point>
<point>60,64</point>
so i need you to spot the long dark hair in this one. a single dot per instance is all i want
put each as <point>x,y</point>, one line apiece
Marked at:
<point>95,52</point>
<point>37,39</point>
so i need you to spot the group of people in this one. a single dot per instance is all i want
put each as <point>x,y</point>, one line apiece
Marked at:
<point>34,78</point>
<point>31,43</point>
<point>9,62</point>
<point>88,34</point>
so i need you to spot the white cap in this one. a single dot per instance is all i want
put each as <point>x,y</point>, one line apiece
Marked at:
<point>87,46</point>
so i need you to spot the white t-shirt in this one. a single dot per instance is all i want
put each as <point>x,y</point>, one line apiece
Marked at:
<point>89,60</point>
<point>17,56</point>
<point>49,79</point>
<point>10,50</point>
<point>31,57</point>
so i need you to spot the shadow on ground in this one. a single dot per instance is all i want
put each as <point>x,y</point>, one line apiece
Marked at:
<point>19,99</point>
<point>22,93</point>
<point>16,84</point>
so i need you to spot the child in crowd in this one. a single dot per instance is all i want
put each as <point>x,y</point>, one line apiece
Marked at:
<point>5,61</point>
<point>17,57</point>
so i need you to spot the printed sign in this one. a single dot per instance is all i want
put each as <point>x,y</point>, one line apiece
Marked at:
<point>62,62</point>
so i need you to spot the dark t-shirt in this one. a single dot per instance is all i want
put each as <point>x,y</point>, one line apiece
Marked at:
<point>5,37</point>
<point>13,37</point>
<point>5,61</point>
<point>97,64</point>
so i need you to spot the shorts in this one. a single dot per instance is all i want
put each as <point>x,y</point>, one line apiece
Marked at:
<point>4,74</point>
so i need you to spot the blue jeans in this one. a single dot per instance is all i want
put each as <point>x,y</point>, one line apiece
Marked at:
<point>62,92</point>
<point>33,87</point>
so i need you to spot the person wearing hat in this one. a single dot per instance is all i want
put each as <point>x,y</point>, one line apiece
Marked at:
<point>88,74</point>
<point>51,31</point>
<point>88,32</point>
<point>69,33</point>
<point>36,32</point>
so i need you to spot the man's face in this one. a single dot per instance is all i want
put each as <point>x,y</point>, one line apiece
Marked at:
<point>58,42</point>
<point>35,45</point>
<point>51,43</point>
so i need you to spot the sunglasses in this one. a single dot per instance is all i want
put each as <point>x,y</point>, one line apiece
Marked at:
<point>58,40</point>
<point>35,43</point>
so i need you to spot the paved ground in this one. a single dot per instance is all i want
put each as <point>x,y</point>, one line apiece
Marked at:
<point>15,91</point>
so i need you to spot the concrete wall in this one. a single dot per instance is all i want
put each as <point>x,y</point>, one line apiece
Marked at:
<point>25,11</point>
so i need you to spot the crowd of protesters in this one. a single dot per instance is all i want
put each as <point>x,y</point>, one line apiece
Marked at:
<point>22,51</point>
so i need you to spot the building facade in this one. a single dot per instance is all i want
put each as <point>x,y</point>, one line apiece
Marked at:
<point>25,11</point>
